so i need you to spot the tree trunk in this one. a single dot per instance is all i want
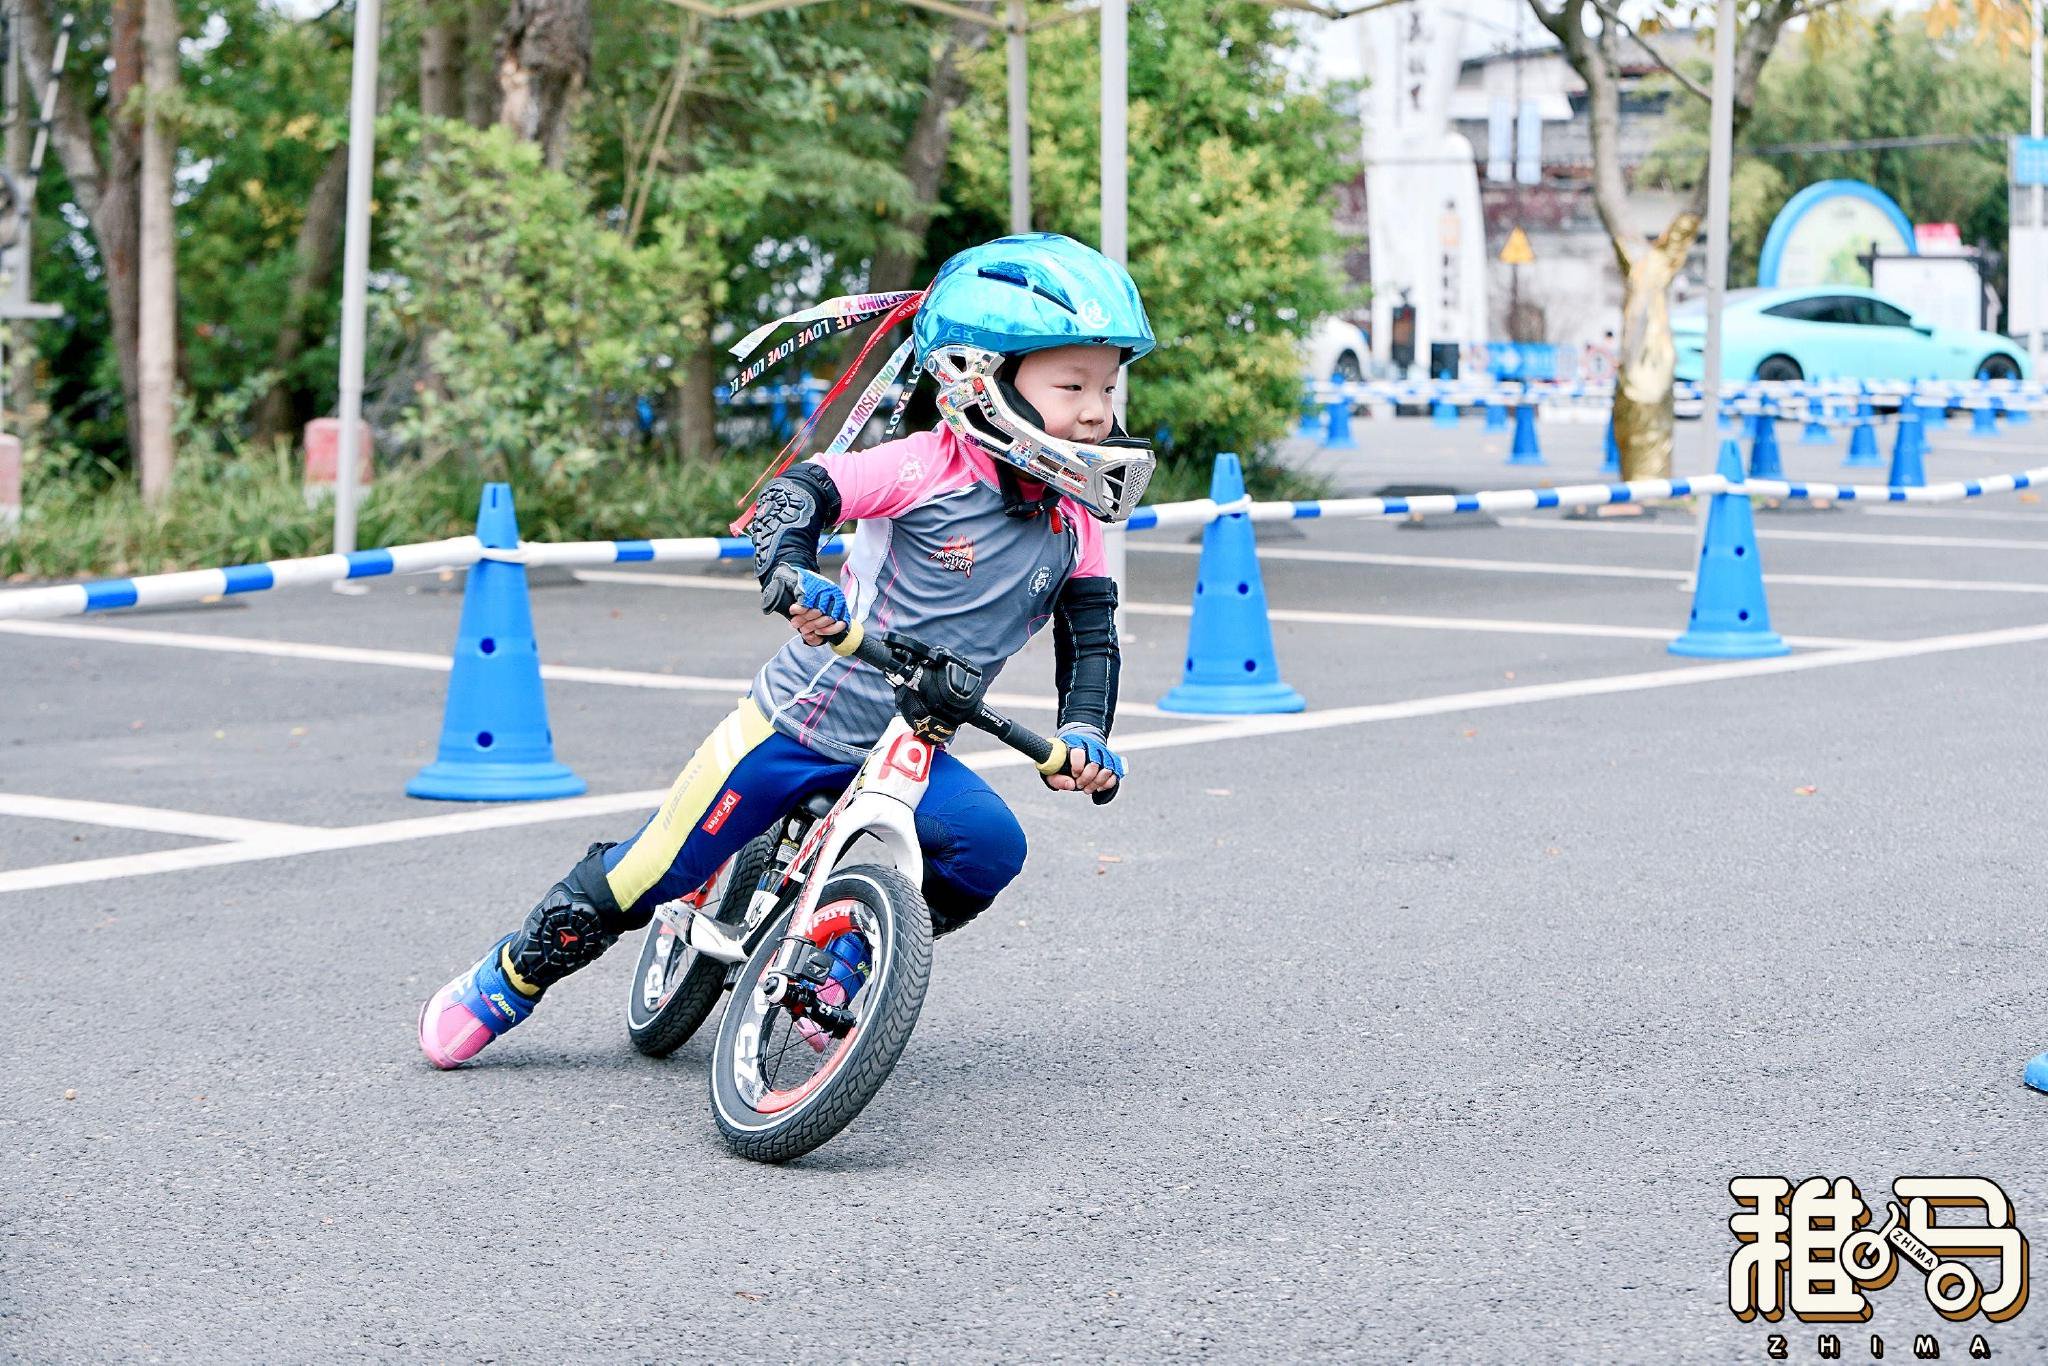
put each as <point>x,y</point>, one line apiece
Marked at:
<point>480,21</point>
<point>157,336</point>
<point>924,163</point>
<point>1647,363</point>
<point>924,159</point>
<point>543,61</point>
<point>318,250</point>
<point>694,408</point>
<point>441,68</point>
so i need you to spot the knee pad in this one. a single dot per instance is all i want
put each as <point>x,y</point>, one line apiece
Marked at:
<point>571,926</point>
<point>950,904</point>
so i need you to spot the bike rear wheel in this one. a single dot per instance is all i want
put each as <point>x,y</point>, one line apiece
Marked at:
<point>674,987</point>
<point>778,1093</point>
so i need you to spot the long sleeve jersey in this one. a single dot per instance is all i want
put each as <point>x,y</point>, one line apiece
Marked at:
<point>937,557</point>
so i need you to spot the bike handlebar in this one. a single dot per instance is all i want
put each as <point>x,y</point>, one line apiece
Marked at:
<point>894,655</point>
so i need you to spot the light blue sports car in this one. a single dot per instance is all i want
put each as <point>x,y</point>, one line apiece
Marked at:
<point>1836,332</point>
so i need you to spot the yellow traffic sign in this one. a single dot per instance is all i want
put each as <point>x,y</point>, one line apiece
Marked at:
<point>1516,252</point>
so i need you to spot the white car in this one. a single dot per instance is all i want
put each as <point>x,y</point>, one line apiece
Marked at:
<point>1335,347</point>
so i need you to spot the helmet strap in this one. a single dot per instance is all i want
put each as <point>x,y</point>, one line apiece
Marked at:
<point>1015,503</point>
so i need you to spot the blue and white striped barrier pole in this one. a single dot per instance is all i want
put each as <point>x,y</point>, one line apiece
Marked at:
<point>460,552</point>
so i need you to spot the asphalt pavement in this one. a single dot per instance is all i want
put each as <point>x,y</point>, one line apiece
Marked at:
<point>1429,1024</point>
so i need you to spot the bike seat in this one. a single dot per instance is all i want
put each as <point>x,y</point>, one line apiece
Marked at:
<point>819,805</point>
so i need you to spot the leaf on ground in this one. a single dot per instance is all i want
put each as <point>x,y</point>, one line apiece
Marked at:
<point>750,1296</point>
<point>1217,791</point>
<point>1805,791</point>
<point>71,1093</point>
<point>1469,732</point>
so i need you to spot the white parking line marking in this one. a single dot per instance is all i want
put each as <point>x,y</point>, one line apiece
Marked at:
<point>1768,533</point>
<point>1970,514</point>
<point>1610,571</point>
<point>410,659</point>
<point>465,822</point>
<point>155,819</point>
<point>1311,617</point>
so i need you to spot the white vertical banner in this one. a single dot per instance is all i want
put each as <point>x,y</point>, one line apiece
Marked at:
<point>1529,144</point>
<point>1427,238</point>
<point>1500,138</point>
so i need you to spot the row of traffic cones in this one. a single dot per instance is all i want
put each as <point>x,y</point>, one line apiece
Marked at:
<point>496,744</point>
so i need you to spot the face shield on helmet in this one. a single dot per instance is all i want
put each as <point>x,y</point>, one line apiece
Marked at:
<point>979,402</point>
<point>1005,299</point>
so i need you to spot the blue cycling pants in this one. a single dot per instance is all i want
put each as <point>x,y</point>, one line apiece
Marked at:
<point>747,775</point>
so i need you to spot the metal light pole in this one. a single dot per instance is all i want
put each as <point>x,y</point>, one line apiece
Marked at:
<point>355,267</point>
<point>1020,122</point>
<point>1115,207</point>
<point>2034,332</point>
<point>1720,158</point>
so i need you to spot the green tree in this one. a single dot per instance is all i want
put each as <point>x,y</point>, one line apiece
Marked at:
<point>1231,237</point>
<point>1871,75</point>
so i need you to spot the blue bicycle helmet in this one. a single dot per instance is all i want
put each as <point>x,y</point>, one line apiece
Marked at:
<point>993,303</point>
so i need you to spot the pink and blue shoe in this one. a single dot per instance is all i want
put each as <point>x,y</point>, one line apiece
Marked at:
<point>472,1010</point>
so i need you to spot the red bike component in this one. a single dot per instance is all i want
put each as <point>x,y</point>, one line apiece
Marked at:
<point>909,756</point>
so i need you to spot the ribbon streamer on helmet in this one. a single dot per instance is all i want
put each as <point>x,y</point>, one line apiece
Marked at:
<point>827,318</point>
<point>870,399</point>
<point>786,457</point>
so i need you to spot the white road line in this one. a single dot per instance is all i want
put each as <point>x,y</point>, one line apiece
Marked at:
<point>156,819</point>
<point>1970,514</point>
<point>1683,676</point>
<point>1610,571</point>
<point>1769,532</point>
<point>409,659</point>
<point>465,822</point>
<point>1310,617</point>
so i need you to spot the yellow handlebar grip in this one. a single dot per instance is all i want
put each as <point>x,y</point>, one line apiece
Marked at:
<point>1055,762</point>
<point>847,641</point>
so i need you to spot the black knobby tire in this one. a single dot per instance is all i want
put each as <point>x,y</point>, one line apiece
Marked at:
<point>1997,366</point>
<point>1779,368</point>
<point>669,998</point>
<point>899,930</point>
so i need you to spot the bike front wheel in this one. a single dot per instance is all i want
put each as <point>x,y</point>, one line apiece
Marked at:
<point>782,1082</point>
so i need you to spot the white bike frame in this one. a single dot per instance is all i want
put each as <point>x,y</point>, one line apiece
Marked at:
<point>882,801</point>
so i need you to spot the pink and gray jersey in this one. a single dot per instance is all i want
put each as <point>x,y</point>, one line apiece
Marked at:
<point>937,557</point>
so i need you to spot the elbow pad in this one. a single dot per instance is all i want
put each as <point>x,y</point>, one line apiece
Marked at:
<point>790,516</point>
<point>1086,659</point>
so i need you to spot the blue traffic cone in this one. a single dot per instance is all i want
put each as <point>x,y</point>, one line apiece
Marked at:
<point>1815,432</point>
<point>1337,432</point>
<point>495,741</point>
<point>1984,419</point>
<point>1909,468</point>
<point>1725,421</point>
<point>1230,665</point>
<point>1934,416</point>
<point>1610,460</point>
<point>1444,413</point>
<point>2016,414</point>
<point>1763,449</point>
<point>1526,450</point>
<point>1730,618</point>
<point>1863,447</point>
<point>1496,416</point>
